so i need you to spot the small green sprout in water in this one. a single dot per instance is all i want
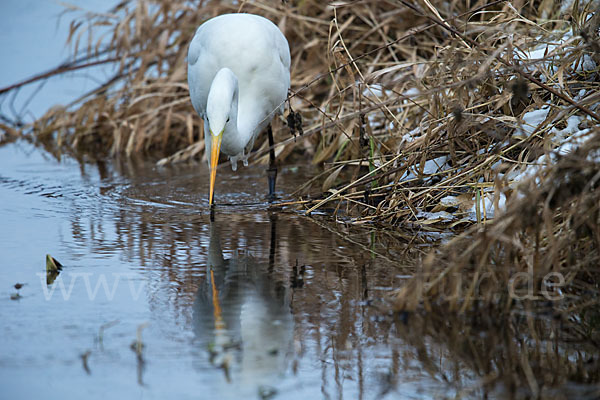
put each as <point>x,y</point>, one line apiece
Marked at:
<point>52,264</point>
<point>53,268</point>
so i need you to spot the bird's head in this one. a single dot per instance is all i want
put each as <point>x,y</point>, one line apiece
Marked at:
<point>221,110</point>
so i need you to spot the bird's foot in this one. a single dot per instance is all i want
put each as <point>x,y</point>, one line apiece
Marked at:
<point>272,175</point>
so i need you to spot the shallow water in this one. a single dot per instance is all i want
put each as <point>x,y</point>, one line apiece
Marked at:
<point>156,301</point>
<point>254,304</point>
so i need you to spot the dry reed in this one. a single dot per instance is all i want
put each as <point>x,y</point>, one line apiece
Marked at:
<point>383,87</point>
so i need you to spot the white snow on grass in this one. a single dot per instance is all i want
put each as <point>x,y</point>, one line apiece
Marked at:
<point>486,205</point>
<point>566,5</point>
<point>412,135</point>
<point>449,201</point>
<point>433,166</point>
<point>573,142</point>
<point>376,90</point>
<point>585,64</point>
<point>531,120</point>
<point>435,216</point>
<point>544,58</point>
<point>568,140</point>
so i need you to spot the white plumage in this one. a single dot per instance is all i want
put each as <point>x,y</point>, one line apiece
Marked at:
<point>239,76</point>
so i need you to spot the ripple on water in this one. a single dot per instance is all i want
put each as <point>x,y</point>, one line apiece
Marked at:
<point>253,298</point>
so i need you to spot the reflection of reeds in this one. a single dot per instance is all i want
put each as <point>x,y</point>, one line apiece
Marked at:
<point>343,268</point>
<point>531,274</point>
<point>506,355</point>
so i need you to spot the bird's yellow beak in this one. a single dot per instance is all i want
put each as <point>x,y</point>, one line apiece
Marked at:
<point>214,160</point>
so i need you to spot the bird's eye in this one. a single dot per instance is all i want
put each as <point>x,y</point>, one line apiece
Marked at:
<point>227,120</point>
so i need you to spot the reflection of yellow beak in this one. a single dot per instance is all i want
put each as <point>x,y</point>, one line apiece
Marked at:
<point>214,160</point>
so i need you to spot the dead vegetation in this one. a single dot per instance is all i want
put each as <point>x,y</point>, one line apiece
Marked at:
<point>405,104</point>
<point>535,270</point>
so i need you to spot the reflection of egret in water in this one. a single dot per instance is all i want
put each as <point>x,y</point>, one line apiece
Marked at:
<point>244,313</point>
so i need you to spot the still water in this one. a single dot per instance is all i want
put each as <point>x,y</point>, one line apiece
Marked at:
<point>156,301</point>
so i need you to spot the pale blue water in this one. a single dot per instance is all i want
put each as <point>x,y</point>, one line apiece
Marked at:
<point>33,40</point>
<point>137,248</point>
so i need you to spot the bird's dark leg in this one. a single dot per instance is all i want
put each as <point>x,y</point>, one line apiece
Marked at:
<point>272,170</point>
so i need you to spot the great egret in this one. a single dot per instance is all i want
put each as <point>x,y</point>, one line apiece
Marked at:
<point>239,76</point>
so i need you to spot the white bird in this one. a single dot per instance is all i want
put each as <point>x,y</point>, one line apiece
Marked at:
<point>239,76</point>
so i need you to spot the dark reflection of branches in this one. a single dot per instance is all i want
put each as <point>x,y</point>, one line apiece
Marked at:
<point>517,356</point>
<point>334,282</point>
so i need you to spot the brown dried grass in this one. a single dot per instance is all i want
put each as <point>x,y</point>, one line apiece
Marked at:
<point>552,228</point>
<point>364,74</point>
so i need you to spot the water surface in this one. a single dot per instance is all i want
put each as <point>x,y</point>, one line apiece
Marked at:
<point>253,304</point>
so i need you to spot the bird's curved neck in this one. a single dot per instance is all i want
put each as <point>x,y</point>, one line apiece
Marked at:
<point>245,119</point>
<point>243,114</point>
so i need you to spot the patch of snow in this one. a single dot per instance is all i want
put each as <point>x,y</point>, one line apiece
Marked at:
<point>573,142</point>
<point>539,53</point>
<point>442,215</point>
<point>531,120</point>
<point>411,92</point>
<point>431,167</point>
<point>495,166</point>
<point>594,156</point>
<point>567,5</point>
<point>412,135</point>
<point>585,64</point>
<point>560,135</point>
<point>435,165</point>
<point>449,201</point>
<point>486,205</point>
<point>528,172</point>
<point>376,90</point>
<point>569,140</point>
